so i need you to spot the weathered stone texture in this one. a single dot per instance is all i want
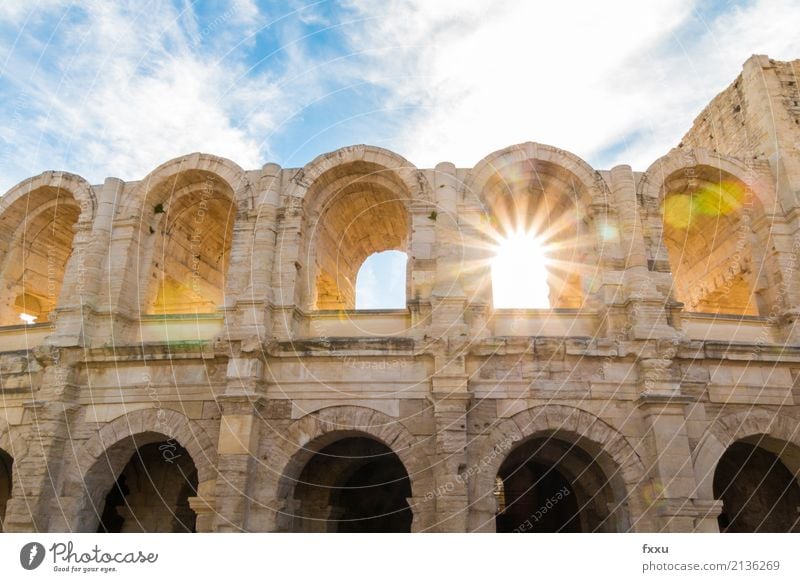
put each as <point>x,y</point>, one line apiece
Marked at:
<point>197,363</point>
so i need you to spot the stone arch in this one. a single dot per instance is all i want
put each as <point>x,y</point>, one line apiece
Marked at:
<point>773,428</point>
<point>99,462</point>
<point>355,201</point>
<point>78,188</point>
<point>552,194</point>
<point>183,214</point>
<point>618,459</point>
<point>483,172</point>
<point>152,189</point>
<point>705,220</point>
<point>415,182</point>
<point>311,433</point>
<point>39,219</point>
<point>652,182</point>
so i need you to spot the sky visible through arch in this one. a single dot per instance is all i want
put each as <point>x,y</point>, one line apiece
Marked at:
<point>103,88</point>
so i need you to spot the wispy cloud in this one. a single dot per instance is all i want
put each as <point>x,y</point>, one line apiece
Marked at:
<point>588,77</point>
<point>116,88</point>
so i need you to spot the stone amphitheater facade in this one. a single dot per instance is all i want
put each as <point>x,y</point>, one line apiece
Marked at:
<point>197,364</point>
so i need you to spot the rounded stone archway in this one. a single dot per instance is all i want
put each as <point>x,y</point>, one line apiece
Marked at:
<point>707,218</point>
<point>38,222</point>
<point>181,225</point>
<point>555,444</point>
<point>103,459</point>
<point>356,202</point>
<point>751,460</point>
<point>375,437</point>
<point>355,484</point>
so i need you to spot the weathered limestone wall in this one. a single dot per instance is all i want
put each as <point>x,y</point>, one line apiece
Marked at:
<point>651,364</point>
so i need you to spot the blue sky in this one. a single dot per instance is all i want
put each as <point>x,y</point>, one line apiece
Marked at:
<point>105,88</point>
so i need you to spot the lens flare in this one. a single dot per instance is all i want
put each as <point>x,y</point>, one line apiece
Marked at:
<point>682,210</point>
<point>27,318</point>
<point>519,272</point>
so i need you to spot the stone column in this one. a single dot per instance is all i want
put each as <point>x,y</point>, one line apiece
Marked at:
<point>249,281</point>
<point>448,300</point>
<point>671,495</point>
<point>238,442</point>
<point>288,268</point>
<point>76,323</point>
<point>451,405</point>
<point>39,474</point>
<point>644,306</point>
<point>422,264</point>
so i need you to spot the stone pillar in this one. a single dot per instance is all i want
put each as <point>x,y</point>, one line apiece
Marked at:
<point>238,442</point>
<point>249,281</point>
<point>84,273</point>
<point>451,405</point>
<point>670,497</point>
<point>39,474</point>
<point>422,263</point>
<point>644,306</point>
<point>288,270</point>
<point>448,299</point>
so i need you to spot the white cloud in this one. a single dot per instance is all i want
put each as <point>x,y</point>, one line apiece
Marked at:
<point>120,87</point>
<point>125,86</point>
<point>580,76</point>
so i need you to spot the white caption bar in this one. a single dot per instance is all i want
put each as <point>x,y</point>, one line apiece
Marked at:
<point>388,557</point>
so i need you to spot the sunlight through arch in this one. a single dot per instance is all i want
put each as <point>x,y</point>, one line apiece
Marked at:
<point>519,273</point>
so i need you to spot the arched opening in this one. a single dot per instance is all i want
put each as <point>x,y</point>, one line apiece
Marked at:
<point>381,281</point>
<point>355,484</point>
<point>41,227</point>
<point>193,229</point>
<point>357,209</point>
<point>549,485</point>
<point>708,218</point>
<point>152,492</point>
<point>539,230</point>
<point>758,491</point>
<point>6,484</point>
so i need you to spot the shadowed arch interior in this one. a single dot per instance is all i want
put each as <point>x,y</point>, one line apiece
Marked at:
<point>6,484</point>
<point>708,217</point>
<point>548,485</point>
<point>192,230</point>
<point>356,209</point>
<point>759,492</point>
<point>38,229</point>
<point>152,492</point>
<point>355,484</point>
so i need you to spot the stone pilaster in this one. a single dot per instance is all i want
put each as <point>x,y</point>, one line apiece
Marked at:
<point>249,281</point>
<point>39,475</point>
<point>76,322</point>
<point>643,305</point>
<point>670,496</point>
<point>238,443</point>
